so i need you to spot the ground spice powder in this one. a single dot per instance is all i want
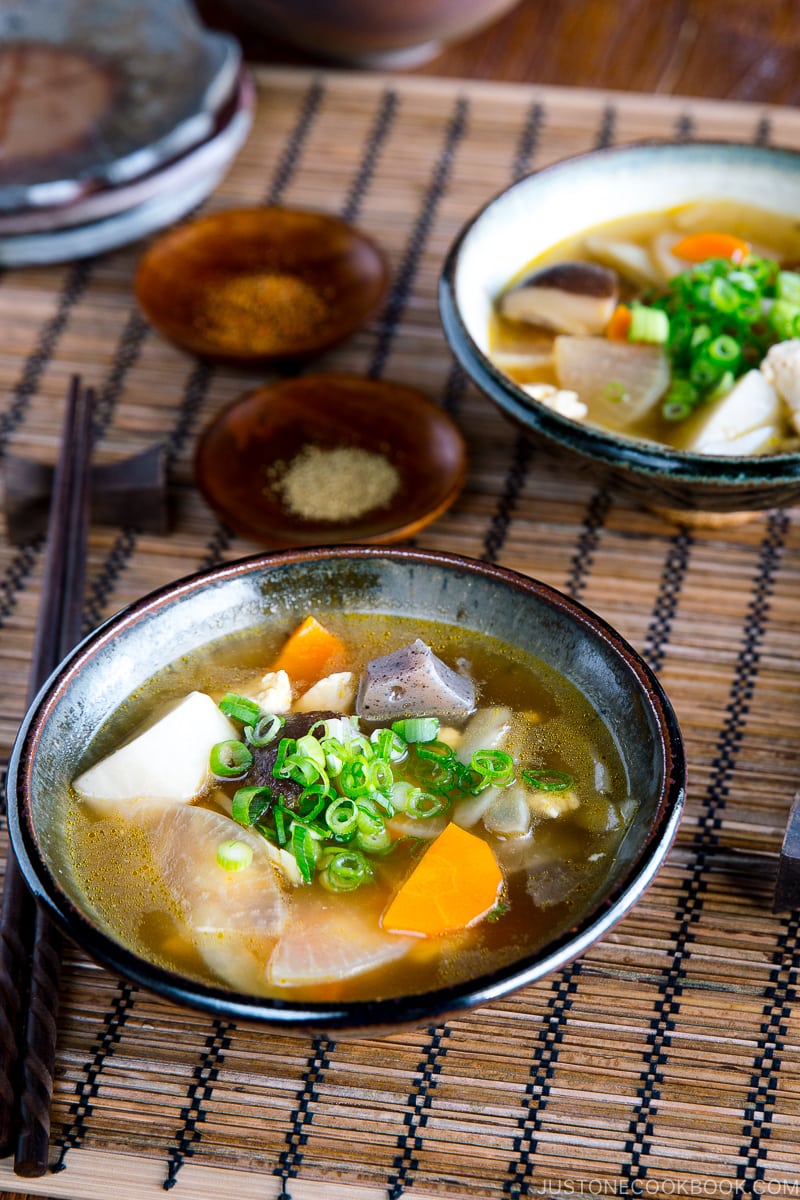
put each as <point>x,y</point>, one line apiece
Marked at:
<point>265,313</point>
<point>337,484</point>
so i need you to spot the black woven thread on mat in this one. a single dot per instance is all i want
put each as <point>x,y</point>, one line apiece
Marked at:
<point>781,995</point>
<point>548,1048</point>
<point>672,579</point>
<point>527,145</point>
<point>81,1109</point>
<point>124,547</point>
<point>219,542</point>
<point>297,1136</point>
<point>546,1051</point>
<point>287,163</point>
<point>416,1117</point>
<point>402,284</point>
<point>389,326</point>
<point>37,362</point>
<point>540,1081</point>
<point>199,1094</point>
<point>381,127</point>
<point>690,907</point>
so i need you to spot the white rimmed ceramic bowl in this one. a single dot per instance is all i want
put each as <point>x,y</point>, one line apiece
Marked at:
<point>578,194</point>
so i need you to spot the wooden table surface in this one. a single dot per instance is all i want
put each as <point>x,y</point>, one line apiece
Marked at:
<point>727,49</point>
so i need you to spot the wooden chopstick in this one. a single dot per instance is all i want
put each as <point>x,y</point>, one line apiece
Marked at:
<point>31,962</point>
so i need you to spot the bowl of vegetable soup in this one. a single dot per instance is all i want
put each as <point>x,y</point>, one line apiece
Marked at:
<point>637,310</point>
<point>345,788</point>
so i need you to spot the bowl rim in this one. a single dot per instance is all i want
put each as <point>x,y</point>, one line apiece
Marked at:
<point>645,458</point>
<point>368,1015</point>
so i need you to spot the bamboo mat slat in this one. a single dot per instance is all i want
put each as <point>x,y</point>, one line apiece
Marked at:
<point>667,1060</point>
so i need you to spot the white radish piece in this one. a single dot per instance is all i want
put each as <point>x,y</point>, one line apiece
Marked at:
<point>331,941</point>
<point>619,382</point>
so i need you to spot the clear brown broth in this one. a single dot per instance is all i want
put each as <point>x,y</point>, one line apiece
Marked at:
<point>574,852</point>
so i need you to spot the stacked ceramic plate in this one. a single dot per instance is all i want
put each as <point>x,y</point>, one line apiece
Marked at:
<point>119,117</point>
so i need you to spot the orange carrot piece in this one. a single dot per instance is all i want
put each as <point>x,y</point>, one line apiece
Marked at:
<point>307,652</point>
<point>455,883</point>
<point>619,326</point>
<point>697,247</point>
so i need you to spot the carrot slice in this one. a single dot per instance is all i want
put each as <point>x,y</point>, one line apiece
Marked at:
<point>619,326</point>
<point>307,652</point>
<point>697,247</point>
<point>455,883</point>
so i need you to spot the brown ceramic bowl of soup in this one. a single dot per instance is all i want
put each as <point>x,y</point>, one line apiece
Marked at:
<point>498,778</point>
<point>697,408</point>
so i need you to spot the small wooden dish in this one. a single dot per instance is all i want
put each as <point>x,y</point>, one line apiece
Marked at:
<point>243,457</point>
<point>252,284</point>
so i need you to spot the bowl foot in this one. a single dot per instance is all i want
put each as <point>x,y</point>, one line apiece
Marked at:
<point>700,519</point>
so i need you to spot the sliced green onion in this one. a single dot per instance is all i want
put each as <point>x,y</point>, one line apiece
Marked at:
<point>265,729</point>
<point>417,729</point>
<point>724,351</point>
<point>341,817</point>
<point>354,779</point>
<point>381,776</point>
<point>675,410</point>
<point>724,295</point>
<point>436,750</point>
<point>345,871</point>
<point>787,286</point>
<point>374,841</point>
<point>312,801</point>
<point>230,759</point>
<point>784,318</point>
<point>648,325</point>
<point>494,765</point>
<point>234,856</point>
<point>548,780</point>
<point>240,708</point>
<point>401,791</point>
<point>304,849</point>
<point>279,816</point>
<point>423,805</point>
<point>388,745</point>
<point>249,804</point>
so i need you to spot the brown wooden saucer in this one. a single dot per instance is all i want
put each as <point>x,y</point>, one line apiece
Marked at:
<point>252,284</point>
<point>244,450</point>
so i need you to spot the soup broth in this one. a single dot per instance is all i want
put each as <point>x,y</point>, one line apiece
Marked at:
<point>332,943</point>
<point>684,400</point>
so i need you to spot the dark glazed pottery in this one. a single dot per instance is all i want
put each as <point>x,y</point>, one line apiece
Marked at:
<point>578,194</point>
<point>129,649</point>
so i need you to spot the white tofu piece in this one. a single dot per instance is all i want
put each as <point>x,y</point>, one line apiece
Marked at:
<point>168,762</point>
<point>335,692</point>
<point>781,368</point>
<point>751,404</point>
<point>766,440</point>
<point>274,693</point>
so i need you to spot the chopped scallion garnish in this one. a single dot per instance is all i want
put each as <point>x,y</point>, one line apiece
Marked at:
<point>417,729</point>
<point>240,708</point>
<point>234,856</point>
<point>230,759</point>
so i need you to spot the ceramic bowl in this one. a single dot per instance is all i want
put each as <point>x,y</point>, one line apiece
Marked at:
<point>370,33</point>
<point>119,658</point>
<point>580,193</point>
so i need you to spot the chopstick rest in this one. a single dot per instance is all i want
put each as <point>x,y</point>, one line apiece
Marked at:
<point>118,489</point>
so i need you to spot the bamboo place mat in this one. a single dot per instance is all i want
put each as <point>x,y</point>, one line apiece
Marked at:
<point>666,1061</point>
